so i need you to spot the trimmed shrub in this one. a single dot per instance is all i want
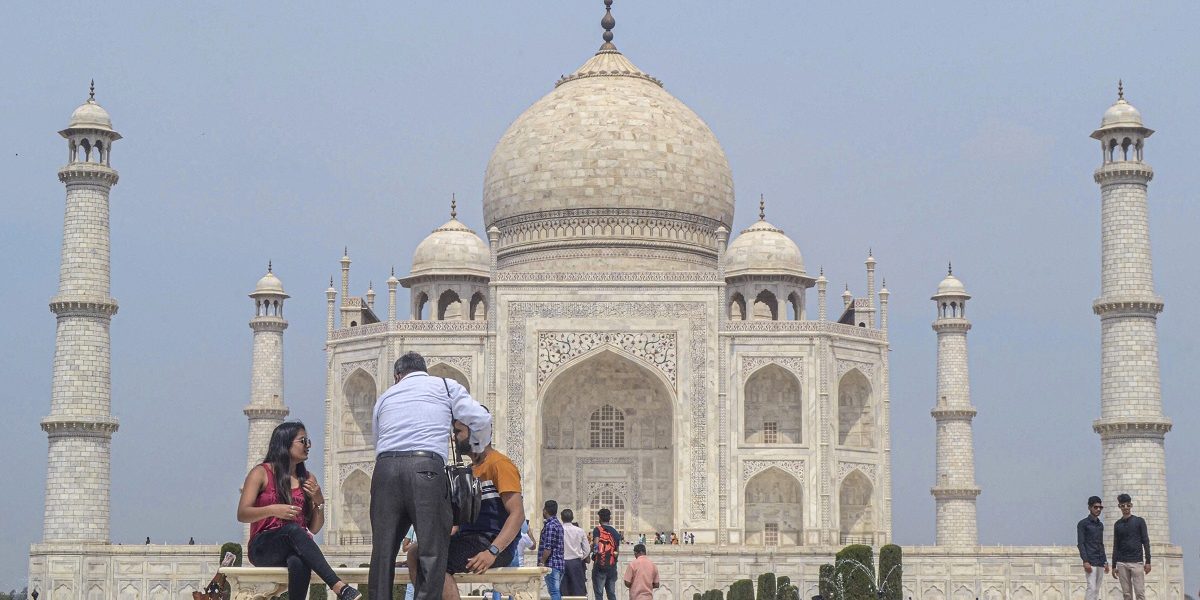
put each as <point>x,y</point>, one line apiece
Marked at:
<point>364,588</point>
<point>826,585</point>
<point>697,596</point>
<point>233,547</point>
<point>891,572</point>
<point>742,589</point>
<point>766,587</point>
<point>318,591</point>
<point>789,592</point>
<point>855,568</point>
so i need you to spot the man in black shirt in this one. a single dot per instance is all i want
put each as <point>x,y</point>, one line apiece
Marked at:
<point>1090,535</point>
<point>1131,551</point>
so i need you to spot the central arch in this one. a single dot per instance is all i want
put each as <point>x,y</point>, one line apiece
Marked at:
<point>607,437</point>
<point>774,509</point>
<point>359,392</point>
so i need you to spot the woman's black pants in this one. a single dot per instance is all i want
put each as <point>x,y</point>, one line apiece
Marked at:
<point>290,546</point>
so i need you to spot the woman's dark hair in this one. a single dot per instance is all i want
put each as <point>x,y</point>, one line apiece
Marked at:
<point>279,456</point>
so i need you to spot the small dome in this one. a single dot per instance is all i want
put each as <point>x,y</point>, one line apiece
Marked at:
<point>452,249</point>
<point>763,249</point>
<point>951,286</point>
<point>1121,114</point>
<point>90,115</point>
<point>269,284</point>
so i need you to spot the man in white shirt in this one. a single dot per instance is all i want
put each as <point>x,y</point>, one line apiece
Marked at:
<point>575,553</point>
<point>412,423</point>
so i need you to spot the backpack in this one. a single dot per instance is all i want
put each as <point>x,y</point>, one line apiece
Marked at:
<point>605,553</point>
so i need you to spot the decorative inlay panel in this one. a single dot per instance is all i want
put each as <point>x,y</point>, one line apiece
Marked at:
<point>345,469</point>
<point>556,348</point>
<point>867,469</point>
<point>844,366</point>
<point>463,364</point>
<point>370,366</point>
<point>750,468</point>
<point>794,364</point>
<point>693,392</point>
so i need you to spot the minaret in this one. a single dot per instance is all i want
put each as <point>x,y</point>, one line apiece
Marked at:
<point>869,309</point>
<point>392,282</point>
<point>954,489</point>
<point>821,283</point>
<point>266,408</point>
<point>331,298</point>
<point>346,308</point>
<point>883,306</point>
<point>80,425</point>
<point>371,295</point>
<point>1131,424</point>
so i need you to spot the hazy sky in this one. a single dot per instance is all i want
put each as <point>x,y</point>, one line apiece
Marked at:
<point>931,132</point>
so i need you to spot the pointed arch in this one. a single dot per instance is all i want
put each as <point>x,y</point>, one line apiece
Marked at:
<point>737,308</point>
<point>478,307</point>
<point>449,306</point>
<point>607,497</point>
<point>421,307</point>
<point>359,393</point>
<point>855,509</point>
<point>356,506</point>
<point>795,306</point>
<point>774,513</point>
<point>442,369</point>
<point>856,411</point>
<point>631,399</point>
<point>772,407</point>
<point>766,307</point>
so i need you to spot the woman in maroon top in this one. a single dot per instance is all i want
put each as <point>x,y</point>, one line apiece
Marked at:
<point>284,506</point>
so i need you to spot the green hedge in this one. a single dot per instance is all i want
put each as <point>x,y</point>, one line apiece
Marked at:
<point>697,596</point>
<point>781,582</point>
<point>742,589</point>
<point>891,572</point>
<point>854,567</point>
<point>825,584</point>
<point>767,587</point>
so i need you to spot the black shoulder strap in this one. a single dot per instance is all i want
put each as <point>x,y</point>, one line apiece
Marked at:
<point>447,384</point>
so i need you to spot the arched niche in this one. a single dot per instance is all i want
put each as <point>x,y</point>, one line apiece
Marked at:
<point>359,392</point>
<point>856,415</point>
<point>450,306</point>
<point>642,405</point>
<point>772,407</point>
<point>356,507</point>
<point>421,307</point>
<point>774,509</point>
<point>449,372</point>
<point>856,517</point>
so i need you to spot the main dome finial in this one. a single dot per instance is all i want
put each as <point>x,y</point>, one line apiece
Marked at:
<point>92,91</point>
<point>453,206</point>
<point>762,208</point>
<point>1120,89</point>
<point>608,22</point>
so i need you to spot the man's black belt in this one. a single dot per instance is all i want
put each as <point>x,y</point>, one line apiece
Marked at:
<point>407,453</point>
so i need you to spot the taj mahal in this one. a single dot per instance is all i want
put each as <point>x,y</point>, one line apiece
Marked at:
<point>638,355</point>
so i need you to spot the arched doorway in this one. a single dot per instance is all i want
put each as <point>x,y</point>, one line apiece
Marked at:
<point>772,408</point>
<point>360,395</point>
<point>607,437</point>
<point>856,412</point>
<point>356,509</point>
<point>774,509</point>
<point>857,521</point>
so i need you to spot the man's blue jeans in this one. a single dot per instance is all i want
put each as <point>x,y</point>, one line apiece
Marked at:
<point>604,580</point>
<point>553,583</point>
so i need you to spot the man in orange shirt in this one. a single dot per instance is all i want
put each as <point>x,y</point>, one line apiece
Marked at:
<point>641,576</point>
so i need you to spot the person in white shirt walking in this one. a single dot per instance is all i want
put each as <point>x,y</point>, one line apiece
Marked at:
<point>409,488</point>
<point>575,553</point>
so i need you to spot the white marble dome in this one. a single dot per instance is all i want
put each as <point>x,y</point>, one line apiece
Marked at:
<point>951,286</point>
<point>452,249</point>
<point>608,172</point>
<point>90,115</point>
<point>763,249</point>
<point>1121,114</point>
<point>269,285</point>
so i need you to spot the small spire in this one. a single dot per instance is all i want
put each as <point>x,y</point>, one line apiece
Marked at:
<point>453,206</point>
<point>92,92</point>
<point>1120,89</point>
<point>268,265</point>
<point>870,253</point>
<point>822,271</point>
<point>393,270</point>
<point>370,286</point>
<point>949,268</point>
<point>331,282</point>
<point>608,22</point>
<point>345,250</point>
<point>885,283</point>
<point>762,208</point>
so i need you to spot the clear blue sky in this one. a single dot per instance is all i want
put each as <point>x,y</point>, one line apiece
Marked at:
<point>927,132</point>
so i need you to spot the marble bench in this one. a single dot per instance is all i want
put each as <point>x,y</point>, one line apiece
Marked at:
<point>261,583</point>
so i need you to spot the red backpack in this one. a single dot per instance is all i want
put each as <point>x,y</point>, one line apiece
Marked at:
<point>605,553</point>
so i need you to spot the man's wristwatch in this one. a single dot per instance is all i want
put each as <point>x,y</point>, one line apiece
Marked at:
<point>494,550</point>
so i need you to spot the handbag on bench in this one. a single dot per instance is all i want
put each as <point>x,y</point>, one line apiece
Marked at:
<point>217,588</point>
<point>466,492</point>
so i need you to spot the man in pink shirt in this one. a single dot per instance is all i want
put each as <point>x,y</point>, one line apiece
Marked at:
<point>641,576</point>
